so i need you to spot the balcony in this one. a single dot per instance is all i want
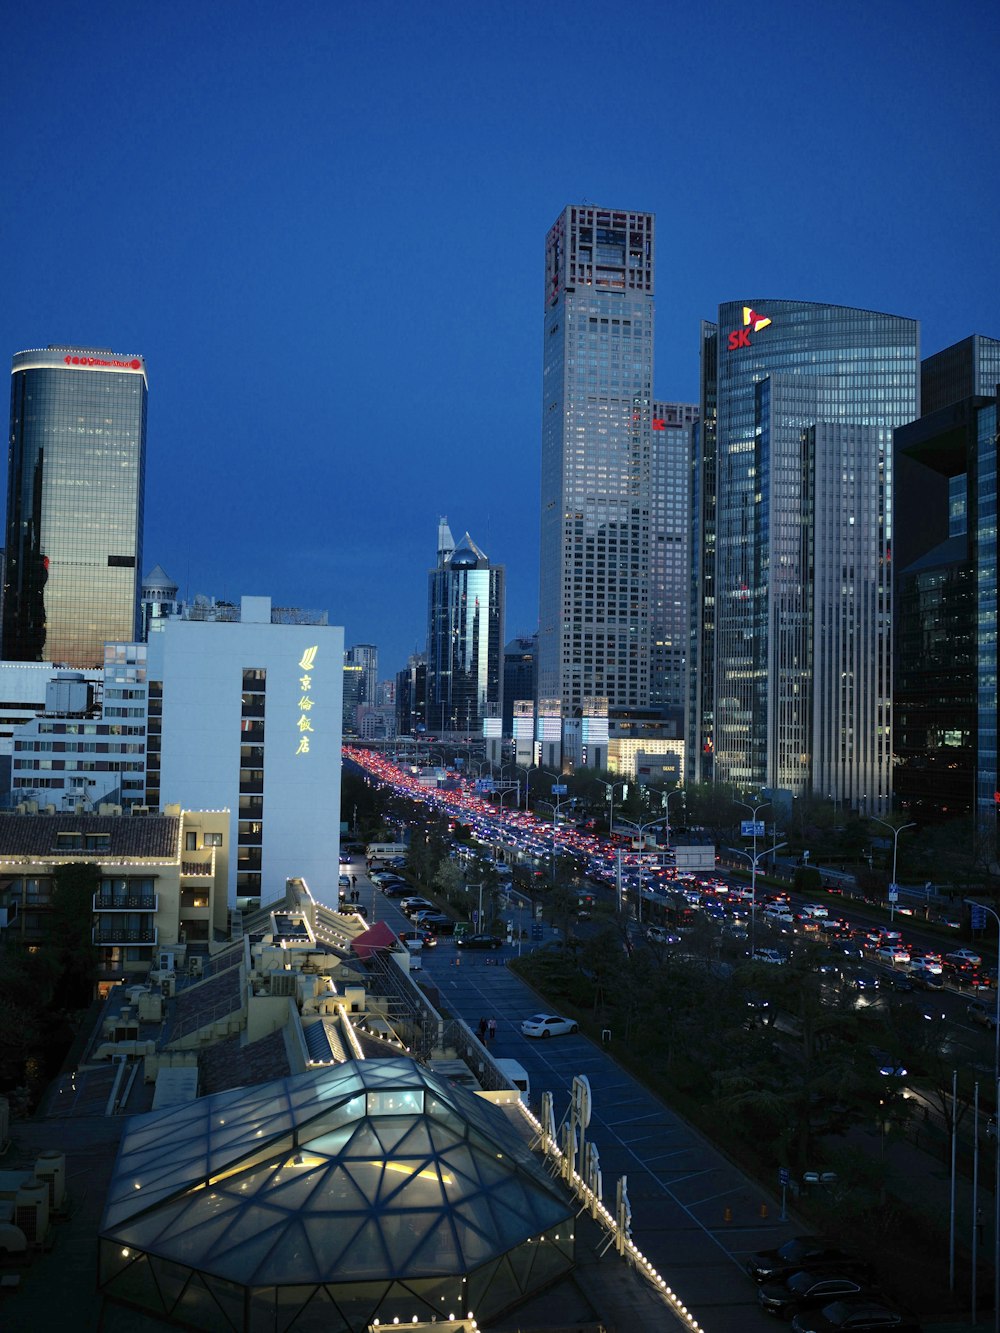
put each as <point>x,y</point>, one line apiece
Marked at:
<point>251,786</point>
<point>196,869</point>
<point>105,935</point>
<point>146,902</point>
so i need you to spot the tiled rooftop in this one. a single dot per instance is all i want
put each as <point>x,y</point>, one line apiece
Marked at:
<point>234,1064</point>
<point>48,835</point>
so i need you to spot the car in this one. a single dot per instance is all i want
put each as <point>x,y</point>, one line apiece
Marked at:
<point>980,1011</point>
<point>892,954</point>
<point>886,1065</point>
<point>418,937</point>
<point>925,962</point>
<point>861,1316</point>
<point>437,923</point>
<point>660,935</point>
<point>411,906</point>
<point>804,1252</point>
<point>400,889</point>
<point>478,942</point>
<point>809,1291</point>
<point>860,978</point>
<point>963,958</point>
<point>770,956</point>
<point>547,1025</point>
<point>925,980</point>
<point>890,979</point>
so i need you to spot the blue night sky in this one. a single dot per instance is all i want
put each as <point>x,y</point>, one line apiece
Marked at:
<point>323,225</point>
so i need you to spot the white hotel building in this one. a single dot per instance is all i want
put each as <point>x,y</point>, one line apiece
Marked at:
<point>251,723</point>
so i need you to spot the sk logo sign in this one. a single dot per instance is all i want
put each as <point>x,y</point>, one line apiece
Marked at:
<point>752,322</point>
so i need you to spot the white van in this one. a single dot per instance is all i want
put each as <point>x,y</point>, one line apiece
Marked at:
<point>517,1075</point>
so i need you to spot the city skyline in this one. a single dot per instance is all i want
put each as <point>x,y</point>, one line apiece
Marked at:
<point>282,237</point>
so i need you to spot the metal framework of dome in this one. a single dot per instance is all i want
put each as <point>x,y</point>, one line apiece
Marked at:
<point>372,1189</point>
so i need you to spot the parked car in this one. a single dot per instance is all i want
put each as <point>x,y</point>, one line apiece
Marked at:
<point>810,1291</point>
<point>436,922</point>
<point>804,1252</point>
<point>418,937</point>
<point>981,1011</point>
<point>547,1025</point>
<point>478,941</point>
<point>862,1316</point>
<point>411,906</point>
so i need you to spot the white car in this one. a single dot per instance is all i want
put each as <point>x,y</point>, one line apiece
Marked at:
<point>964,956</point>
<point>547,1025</point>
<point>892,954</point>
<point>660,935</point>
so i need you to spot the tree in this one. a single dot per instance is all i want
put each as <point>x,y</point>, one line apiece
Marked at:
<point>69,933</point>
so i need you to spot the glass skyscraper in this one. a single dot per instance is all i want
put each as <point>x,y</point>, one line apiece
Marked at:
<point>673,426</point>
<point>75,481</point>
<point>797,639</point>
<point>945,689</point>
<point>594,591</point>
<point>464,637</point>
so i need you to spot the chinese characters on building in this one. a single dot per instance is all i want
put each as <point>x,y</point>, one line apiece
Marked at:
<point>307,666</point>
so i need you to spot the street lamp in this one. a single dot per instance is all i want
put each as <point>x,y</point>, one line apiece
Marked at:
<point>754,862</point>
<point>677,791</point>
<point>610,787</point>
<point>895,846</point>
<point>641,830</point>
<point>555,807</point>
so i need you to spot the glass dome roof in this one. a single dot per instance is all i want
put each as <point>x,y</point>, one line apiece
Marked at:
<point>367,1170</point>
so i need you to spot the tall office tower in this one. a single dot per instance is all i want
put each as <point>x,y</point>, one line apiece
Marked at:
<point>365,655</point>
<point>75,481</point>
<point>351,699</point>
<point>411,696</point>
<point>945,705</point>
<point>670,555</point>
<point>807,398</point>
<point>699,729</point>
<point>464,638</point>
<point>518,675</point>
<point>597,392</point>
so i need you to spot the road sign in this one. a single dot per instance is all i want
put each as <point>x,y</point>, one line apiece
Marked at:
<point>893,894</point>
<point>752,828</point>
<point>559,789</point>
<point>784,1175</point>
<point>978,917</point>
<point>475,916</point>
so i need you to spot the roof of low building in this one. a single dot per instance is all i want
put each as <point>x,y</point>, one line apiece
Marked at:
<point>89,837</point>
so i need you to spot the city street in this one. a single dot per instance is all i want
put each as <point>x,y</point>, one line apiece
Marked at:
<point>681,1190</point>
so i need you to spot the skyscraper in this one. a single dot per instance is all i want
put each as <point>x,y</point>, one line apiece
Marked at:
<point>365,655</point>
<point>670,556</point>
<point>594,624</point>
<point>807,397</point>
<point>75,481</point>
<point>464,636</point>
<point>945,705</point>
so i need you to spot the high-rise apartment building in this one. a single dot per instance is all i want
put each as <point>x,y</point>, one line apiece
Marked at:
<point>464,638</point>
<point>945,704</point>
<point>75,480</point>
<point>597,391</point>
<point>673,426</point>
<point>365,655</point>
<point>798,634</point>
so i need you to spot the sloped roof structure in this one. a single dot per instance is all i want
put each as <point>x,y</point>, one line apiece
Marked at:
<point>365,1190</point>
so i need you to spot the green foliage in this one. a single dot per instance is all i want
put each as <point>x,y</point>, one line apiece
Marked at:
<point>69,934</point>
<point>807,879</point>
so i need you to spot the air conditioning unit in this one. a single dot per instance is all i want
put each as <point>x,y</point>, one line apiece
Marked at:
<point>168,986</point>
<point>166,962</point>
<point>140,809</point>
<point>31,1210</point>
<point>283,983</point>
<point>51,1168</point>
<point>195,965</point>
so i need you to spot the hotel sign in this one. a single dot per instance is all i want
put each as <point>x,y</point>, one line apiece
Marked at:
<point>307,664</point>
